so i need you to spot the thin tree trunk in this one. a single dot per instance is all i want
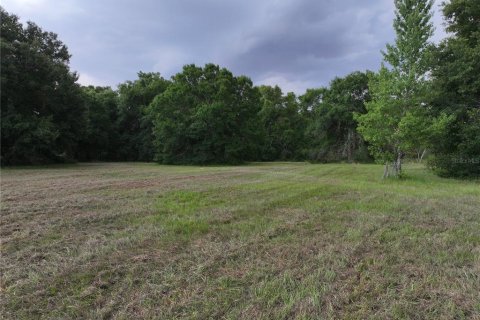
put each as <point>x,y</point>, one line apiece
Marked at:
<point>385,173</point>
<point>348,146</point>
<point>398,164</point>
<point>423,154</point>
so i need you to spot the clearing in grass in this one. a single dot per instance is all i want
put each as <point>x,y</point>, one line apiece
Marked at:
<point>261,241</point>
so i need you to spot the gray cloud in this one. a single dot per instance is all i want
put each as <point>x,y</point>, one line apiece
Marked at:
<point>296,44</point>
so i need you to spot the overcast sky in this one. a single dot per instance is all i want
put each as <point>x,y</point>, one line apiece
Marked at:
<point>296,44</point>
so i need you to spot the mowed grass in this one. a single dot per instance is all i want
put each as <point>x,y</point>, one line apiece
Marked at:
<point>262,241</point>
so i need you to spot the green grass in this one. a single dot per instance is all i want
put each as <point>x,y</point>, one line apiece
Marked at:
<point>261,241</point>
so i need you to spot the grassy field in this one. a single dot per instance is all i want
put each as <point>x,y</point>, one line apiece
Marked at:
<point>263,241</point>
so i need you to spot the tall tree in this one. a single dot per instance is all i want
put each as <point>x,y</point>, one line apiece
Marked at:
<point>331,133</point>
<point>463,17</point>
<point>398,91</point>
<point>101,138</point>
<point>135,126</point>
<point>457,91</point>
<point>282,123</point>
<point>42,116</point>
<point>206,116</point>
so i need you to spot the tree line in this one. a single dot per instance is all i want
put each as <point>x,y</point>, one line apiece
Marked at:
<point>425,99</point>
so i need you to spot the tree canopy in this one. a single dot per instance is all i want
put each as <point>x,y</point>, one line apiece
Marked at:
<point>282,125</point>
<point>206,115</point>
<point>134,122</point>
<point>332,130</point>
<point>456,84</point>
<point>424,100</point>
<point>397,108</point>
<point>42,112</point>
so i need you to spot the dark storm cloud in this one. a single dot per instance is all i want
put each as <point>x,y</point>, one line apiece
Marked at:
<point>293,43</point>
<point>310,42</point>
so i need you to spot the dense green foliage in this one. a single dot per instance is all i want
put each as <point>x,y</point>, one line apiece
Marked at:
<point>332,134</point>
<point>282,124</point>
<point>397,108</point>
<point>206,115</point>
<point>134,123</point>
<point>101,139</point>
<point>423,100</point>
<point>42,109</point>
<point>457,92</point>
